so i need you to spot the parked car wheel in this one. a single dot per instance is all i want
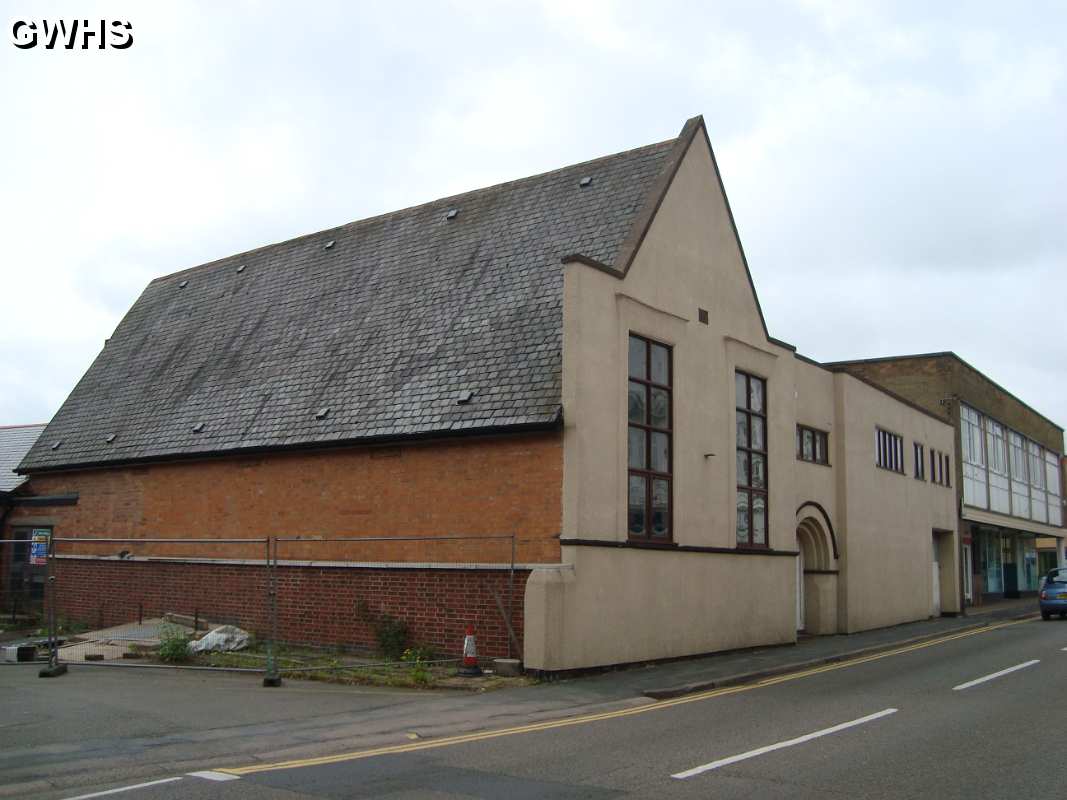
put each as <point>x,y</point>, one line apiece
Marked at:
<point>1052,596</point>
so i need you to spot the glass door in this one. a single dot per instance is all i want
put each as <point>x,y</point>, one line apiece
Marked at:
<point>991,553</point>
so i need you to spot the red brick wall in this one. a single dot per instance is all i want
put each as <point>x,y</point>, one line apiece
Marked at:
<point>470,486</point>
<point>476,486</point>
<point>316,605</point>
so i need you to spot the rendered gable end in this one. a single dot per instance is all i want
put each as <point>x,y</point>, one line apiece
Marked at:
<point>689,259</point>
<point>608,604</point>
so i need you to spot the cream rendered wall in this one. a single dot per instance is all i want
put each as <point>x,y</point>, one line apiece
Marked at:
<point>888,520</point>
<point>616,604</point>
<point>814,390</point>
<point>611,605</point>
<point>688,260</point>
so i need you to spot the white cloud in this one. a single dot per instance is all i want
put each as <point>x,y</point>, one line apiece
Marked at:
<point>877,155</point>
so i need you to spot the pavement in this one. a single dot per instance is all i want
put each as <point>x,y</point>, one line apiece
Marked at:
<point>101,726</point>
<point>111,643</point>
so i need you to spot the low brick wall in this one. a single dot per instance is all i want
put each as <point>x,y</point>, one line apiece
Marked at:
<point>316,605</point>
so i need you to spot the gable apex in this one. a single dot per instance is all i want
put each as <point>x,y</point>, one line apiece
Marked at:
<point>693,128</point>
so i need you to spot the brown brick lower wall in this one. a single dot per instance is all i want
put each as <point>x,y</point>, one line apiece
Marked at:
<point>316,605</point>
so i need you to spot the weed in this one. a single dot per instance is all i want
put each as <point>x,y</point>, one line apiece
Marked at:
<point>416,658</point>
<point>392,635</point>
<point>173,644</point>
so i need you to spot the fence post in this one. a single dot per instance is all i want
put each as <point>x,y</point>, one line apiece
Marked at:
<point>511,594</point>
<point>272,678</point>
<point>54,668</point>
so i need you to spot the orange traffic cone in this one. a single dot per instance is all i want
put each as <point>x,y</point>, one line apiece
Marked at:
<point>470,668</point>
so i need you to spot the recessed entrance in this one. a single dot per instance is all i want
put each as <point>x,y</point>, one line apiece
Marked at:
<point>816,579</point>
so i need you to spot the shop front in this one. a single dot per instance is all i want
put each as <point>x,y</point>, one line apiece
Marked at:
<point>1005,563</point>
<point>1049,552</point>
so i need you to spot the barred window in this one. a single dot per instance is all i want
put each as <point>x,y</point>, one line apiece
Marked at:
<point>940,471</point>
<point>890,450</point>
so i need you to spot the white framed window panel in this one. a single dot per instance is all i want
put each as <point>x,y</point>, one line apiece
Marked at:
<point>974,469</point>
<point>1052,482</point>
<point>1008,473</point>
<point>1020,476</point>
<point>997,458</point>
<point>1038,498</point>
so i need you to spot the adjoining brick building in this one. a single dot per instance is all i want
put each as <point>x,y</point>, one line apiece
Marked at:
<point>578,358</point>
<point>1009,476</point>
<point>19,581</point>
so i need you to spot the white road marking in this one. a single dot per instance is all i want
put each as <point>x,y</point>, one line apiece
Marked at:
<point>722,762</point>
<point>124,789</point>
<point>209,775</point>
<point>985,678</point>
<point>1063,648</point>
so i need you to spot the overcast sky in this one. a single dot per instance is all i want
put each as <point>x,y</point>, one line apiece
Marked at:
<point>898,170</point>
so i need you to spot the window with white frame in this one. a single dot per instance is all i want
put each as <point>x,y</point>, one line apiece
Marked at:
<point>1038,498</point>
<point>1052,480</point>
<point>1006,472</point>
<point>974,466</point>
<point>997,458</point>
<point>1020,475</point>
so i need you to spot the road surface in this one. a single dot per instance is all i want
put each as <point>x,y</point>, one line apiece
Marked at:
<point>958,718</point>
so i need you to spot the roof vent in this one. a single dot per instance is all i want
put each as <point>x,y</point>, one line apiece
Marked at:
<point>586,181</point>
<point>464,397</point>
<point>240,269</point>
<point>322,413</point>
<point>329,245</point>
<point>198,427</point>
<point>183,284</point>
<point>110,438</point>
<point>452,212</point>
<point>56,444</point>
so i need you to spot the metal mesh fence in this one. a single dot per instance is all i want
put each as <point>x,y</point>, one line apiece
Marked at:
<point>21,586</point>
<point>298,605</point>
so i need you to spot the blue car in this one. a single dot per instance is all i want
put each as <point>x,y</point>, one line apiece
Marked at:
<point>1053,595</point>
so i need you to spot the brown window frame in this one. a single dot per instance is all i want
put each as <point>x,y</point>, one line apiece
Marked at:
<point>648,473</point>
<point>753,492</point>
<point>817,436</point>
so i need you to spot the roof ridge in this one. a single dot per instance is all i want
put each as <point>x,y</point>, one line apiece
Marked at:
<point>24,425</point>
<point>406,209</point>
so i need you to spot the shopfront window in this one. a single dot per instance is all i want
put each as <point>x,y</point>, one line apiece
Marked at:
<point>1028,580</point>
<point>991,560</point>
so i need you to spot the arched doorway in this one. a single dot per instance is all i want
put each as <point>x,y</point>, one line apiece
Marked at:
<point>816,578</point>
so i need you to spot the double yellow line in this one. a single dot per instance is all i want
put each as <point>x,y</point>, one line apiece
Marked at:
<point>412,747</point>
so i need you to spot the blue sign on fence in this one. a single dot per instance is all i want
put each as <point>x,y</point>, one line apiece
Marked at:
<point>39,548</point>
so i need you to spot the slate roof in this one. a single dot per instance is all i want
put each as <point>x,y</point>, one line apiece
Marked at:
<point>384,328</point>
<point>15,442</point>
